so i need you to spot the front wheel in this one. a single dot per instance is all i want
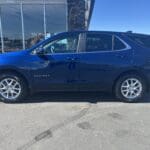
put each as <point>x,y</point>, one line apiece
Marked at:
<point>12,88</point>
<point>130,88</point>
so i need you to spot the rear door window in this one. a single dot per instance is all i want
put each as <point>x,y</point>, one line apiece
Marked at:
<point>103,42</point>
<point>98,42</point>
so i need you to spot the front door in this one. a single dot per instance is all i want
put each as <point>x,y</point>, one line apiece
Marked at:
<point>57,68</point>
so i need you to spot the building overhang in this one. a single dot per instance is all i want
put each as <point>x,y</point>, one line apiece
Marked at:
<point>34,1</point>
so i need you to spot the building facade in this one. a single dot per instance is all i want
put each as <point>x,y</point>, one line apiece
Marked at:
<point>25,22</point>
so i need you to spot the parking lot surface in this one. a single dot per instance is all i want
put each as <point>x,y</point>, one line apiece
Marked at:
<point>75,121</point>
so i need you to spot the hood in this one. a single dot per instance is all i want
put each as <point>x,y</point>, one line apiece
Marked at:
<point>16,53</point>
<point>13,54</point>
<point>10,57</point>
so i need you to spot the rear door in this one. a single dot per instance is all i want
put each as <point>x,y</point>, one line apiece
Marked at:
<point>104,56</point>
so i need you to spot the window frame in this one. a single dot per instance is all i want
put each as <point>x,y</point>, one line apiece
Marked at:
<point>127,46</point>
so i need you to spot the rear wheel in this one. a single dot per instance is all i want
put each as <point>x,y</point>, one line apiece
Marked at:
<point>12,88</point>
<point>130,88</point>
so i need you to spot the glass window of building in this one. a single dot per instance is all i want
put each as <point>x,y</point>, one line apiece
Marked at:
<point>33,16</point>
<point>56,22</point>
<point>11,26</point>
<point>26,22</point>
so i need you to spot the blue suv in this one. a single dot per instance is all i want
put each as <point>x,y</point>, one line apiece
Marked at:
<point>79,61</point>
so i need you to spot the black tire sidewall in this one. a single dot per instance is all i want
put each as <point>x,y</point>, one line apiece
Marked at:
<point>22,84</point>
<point>118,88</point>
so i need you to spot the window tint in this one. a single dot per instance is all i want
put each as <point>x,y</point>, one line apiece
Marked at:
<point>118,45</point>
<point>143,40</point>
<point>63,45</point>
<point>98,42</point>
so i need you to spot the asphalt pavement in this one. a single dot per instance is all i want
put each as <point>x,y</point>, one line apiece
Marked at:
<point>75,121</point>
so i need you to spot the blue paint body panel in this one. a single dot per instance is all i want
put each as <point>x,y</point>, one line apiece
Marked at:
<point>80,71</point>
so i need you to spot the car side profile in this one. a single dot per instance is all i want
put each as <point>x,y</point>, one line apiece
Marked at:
<point>79,61</point>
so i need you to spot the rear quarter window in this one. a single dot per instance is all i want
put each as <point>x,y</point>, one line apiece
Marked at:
<point>143,40</point>
<point>118,45</point>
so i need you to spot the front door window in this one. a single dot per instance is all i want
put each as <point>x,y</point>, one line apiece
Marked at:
<point>62,45</point>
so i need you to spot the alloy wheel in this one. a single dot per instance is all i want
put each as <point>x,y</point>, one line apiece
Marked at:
<point>10,88</point>
<point>131,88</point>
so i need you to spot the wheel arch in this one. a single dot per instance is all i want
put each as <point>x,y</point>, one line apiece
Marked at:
<point>132,71</point>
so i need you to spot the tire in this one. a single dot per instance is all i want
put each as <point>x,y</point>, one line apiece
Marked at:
<point>130,94</point>
<point>12,88</point>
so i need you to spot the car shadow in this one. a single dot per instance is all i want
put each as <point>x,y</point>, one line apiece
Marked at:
<point>91,97</point>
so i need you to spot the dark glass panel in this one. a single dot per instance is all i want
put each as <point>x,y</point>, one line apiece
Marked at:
<point>33,24</point>
<point>118,45</point>
<point>56,18</point>
<point>11,26</point>
<point>65,44</point>
<point>98,42</point>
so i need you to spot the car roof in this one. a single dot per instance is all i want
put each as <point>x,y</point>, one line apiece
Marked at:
<point>107,32</point>
<point>85,31</point>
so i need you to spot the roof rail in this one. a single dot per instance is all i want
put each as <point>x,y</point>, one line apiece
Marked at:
<point>129,32</point>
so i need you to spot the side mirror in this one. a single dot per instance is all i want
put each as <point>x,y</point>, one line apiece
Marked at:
<point>40,51</point>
